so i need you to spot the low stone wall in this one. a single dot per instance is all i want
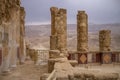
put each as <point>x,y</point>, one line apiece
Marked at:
<point>91,74</point>
<point>65,71</point>
<point>91,57</point>
<point>38,55</point>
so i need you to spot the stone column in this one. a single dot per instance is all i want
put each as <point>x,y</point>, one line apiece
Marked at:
<point>10,20</point>
<point>5,49</point>
<point>53,37</point>
<point>22,35</point>
<point>82,37</point>
<point>14,31</point>
<point>105,40</point>
<point>82,31</point>
<point>104,44</point>
<point>61,28</point>
<point>54,11</point>
<point>58,38</point>
<point>53,42</point>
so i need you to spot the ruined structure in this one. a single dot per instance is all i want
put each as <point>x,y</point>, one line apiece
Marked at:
<point>60,68</point>
<point>82,36</point>
<point>104,45</point>
<point>58,38</point>
<point>82,31</point>
<point>104,40</point>
<point>22,36</point>
<point>10,13</point>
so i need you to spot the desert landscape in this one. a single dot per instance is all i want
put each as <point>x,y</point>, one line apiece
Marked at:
<point>58,50</point>
<point>38,35</point>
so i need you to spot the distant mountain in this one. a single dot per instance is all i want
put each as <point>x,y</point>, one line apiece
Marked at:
<point>39,35</point>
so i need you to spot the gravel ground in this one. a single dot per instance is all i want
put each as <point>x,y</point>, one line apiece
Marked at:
<point>27,71</point>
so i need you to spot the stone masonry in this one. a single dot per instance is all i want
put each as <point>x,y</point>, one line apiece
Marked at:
<point>10,32</point>
<point>104,40</point>
<point>82,31</point>
<point>22,35</point>
<point>58,38</point>
<point>53,37</point>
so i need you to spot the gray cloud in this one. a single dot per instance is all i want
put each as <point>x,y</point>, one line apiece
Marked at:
<point>99,11</point>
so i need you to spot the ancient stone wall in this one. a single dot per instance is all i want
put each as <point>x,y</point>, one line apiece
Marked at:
<point>82,31</point>
<point>104,40</point>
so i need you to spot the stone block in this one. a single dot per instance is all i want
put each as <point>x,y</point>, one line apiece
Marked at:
<point>44,76</point>
<point>106,58</point>
<point>54,54</point>
<point>73,62</point>
<point>105,40</point>
<point>82,58</point>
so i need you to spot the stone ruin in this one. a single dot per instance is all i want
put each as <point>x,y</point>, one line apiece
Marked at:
<point>82,31</point>
<point>12,33</point>
<point>105,40</point>
<point>58,38</point>
<point>12,44</point>
<point>59,67</point>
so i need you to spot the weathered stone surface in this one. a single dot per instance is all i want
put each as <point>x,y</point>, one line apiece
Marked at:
<point>105,40</point>
<point>84,74</point>
<point>22,35</point>
<point>73,62</point>
<point>54,11</point>
<point>10,30</point>
<point>64,71</point>
<point>54,54</point>
<point>44,76</point>
<point>58,39</point>
<point>82,31</point>
<point>53,42</point>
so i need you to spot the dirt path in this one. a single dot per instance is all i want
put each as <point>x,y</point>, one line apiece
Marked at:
<point>27,71</point>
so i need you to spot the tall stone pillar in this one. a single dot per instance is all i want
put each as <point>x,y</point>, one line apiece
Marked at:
<point>104,44</point>
<point>53,37</point>
<point>54,11</point>
<point>61,28</point>
<point>104,40</point>
<point>82,37</point>
<point>22,35</point>
<point>5,49</point>
<point>14,31</point>
<point>58,38</point>
<point>82,31</point>
<point>10,17</point>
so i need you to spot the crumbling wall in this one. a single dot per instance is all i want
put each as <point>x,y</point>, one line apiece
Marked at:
<point>105,40</point>
<point>82,31</point>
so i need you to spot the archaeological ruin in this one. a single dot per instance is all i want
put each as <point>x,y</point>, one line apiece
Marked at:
<point>63,64</point>
<point>12,34</point>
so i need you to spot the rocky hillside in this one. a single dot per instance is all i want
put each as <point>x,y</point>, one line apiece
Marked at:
<point>39,35</point>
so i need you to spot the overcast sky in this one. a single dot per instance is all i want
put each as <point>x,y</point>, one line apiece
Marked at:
<point>99,11</point>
